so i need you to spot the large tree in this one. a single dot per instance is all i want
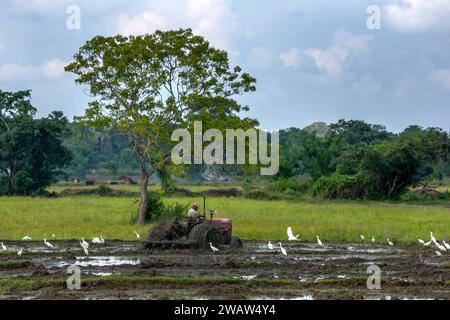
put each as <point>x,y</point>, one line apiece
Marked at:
<point>147,85</point>
<point>31,150</point>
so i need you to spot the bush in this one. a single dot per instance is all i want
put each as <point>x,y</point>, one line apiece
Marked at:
<point>339,187</point>
<point>157,210</point>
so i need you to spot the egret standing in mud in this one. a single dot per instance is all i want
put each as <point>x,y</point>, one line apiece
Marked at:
<point>102,241</point>
<point>85,247</point>
<point>291,236</point>
<point>214,249</point>
<point>427,244</point>
<point>446,245</point>
<point>319,242</point>
<point>373,239</point>
<point>48,244</point>
<point>96,240</point>
<point>283,250</point>
<point>84,243</point>
<point>270,246</point>
<point>440,247</point>
<point>26,238</point>
<point>19,253</point>
<point>438,253</point>
<point>3,246</point>
<point>421,241</point>
<point>53,236</point>
<point>432,237</point>
<point>362,237</point>
<point>390,242</point>
<point>138,236</point>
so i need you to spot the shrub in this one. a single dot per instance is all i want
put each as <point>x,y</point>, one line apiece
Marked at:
<point>157,210</point>
<point>339,187</point>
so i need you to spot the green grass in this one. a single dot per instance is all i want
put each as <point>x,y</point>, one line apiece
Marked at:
<point>333,221</point>
<point>13,264</point>
<point>86,216</point>
<point>68,218</point>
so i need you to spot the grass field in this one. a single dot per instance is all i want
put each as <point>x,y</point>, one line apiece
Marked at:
<point>86,216</point>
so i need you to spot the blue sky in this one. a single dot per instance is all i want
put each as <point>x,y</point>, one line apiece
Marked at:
<point>314,60</point>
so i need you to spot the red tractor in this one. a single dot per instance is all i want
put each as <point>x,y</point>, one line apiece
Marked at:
<point>193,233</point>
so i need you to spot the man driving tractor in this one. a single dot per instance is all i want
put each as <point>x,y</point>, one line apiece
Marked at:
<point>192,213</point>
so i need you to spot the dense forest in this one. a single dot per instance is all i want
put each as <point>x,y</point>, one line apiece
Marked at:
<point>347,159</point>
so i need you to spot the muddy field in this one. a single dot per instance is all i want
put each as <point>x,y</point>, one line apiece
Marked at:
<point>123,270</point>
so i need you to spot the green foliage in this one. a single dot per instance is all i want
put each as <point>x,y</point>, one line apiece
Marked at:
<point>338,187</point>
<point>31,151</point>
<point>158,210</point>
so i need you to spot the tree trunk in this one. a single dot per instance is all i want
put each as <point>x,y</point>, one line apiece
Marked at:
<point>144,197</point>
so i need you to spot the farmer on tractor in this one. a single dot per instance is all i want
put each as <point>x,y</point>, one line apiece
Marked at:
<point>192,213</point>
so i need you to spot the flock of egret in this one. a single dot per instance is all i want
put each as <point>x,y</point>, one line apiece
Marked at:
<point>444,247</point>
<point>441,247</point>
<point>83,243</point>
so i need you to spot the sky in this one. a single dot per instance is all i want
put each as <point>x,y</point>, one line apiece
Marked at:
<point>313,60</point>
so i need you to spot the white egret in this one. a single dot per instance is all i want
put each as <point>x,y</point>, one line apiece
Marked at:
<point>84,243</point>
<point>102,240</point>
<point>319,242</point>
<point>3,246</point>
<point>440,247</point>
<point>362,237</point>
<point>427,244</point>
<point>48,244</point>
<point>26,238</point>
<point>270,246</point>
<point>138,236</point>
<point>96,240</point>
<point>446,245</point>
<point>86,251</point>
<point>438,253</point>
<point>390,242</point>
<point>85,247</point>
<point>214,249</point>
<point>53,236</point>
<point>432,237</point>
<point>373,239</point>
<point>283,250</point>
<point>421,241</point>
<point>19,253</point>
<point>291,236</point>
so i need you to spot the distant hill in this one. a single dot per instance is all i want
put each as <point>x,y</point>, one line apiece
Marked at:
<point>319,128</point>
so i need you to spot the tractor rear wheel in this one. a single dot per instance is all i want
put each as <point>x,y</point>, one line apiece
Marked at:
<point>203,234</point>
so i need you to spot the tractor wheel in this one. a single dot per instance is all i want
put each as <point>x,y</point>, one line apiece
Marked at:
<point>203,234</point>
<point>161,231</point>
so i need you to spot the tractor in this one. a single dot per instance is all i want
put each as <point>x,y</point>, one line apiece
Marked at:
<point>193,233</point>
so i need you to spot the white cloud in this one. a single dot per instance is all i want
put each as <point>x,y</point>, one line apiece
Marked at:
<point>441,77</point>
<point>51,69</point>
<point>412,15</point>
<point>345,46</point>
<point>146,22</point>
<point>291,58</point>
<point>212,19</point>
